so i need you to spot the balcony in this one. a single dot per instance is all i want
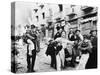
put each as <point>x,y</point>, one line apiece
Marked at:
<point>72,16</point>
<point>87,9</point>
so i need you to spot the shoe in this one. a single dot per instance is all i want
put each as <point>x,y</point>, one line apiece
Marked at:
<point>72,65</point>
<point>51,65</point>
<point>33,71</point>
<point>77,62</point>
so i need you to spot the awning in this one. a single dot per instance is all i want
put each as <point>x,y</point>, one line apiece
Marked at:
<point>89,19</point>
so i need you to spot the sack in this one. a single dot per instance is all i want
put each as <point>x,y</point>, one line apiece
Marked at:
<point>50,50</point>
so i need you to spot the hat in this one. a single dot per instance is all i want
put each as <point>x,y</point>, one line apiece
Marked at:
<point>50,40</point>
<point>92,31</point>
<point>77,30</point>
<point>58,28</point>
<point>32,26</point>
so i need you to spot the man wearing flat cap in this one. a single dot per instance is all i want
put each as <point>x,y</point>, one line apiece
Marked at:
<point>31,49</point>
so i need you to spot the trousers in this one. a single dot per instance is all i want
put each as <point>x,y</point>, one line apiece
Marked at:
<point>60,59</point>
<point>31,61</point>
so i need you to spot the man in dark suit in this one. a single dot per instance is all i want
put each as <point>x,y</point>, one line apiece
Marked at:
<point>71,35</point>
<point>31,55</point>
<point>58,34</point>
<point>51,51</point>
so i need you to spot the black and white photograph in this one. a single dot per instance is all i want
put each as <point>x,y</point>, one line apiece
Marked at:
<point>47,37</point>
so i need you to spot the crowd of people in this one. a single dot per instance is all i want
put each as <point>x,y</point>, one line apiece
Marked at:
<point>83,47</point>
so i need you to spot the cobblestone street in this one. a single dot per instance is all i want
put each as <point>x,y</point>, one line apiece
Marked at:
<point>42,63</point>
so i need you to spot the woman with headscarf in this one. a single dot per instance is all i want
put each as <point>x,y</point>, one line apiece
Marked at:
<point>92,62</point>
